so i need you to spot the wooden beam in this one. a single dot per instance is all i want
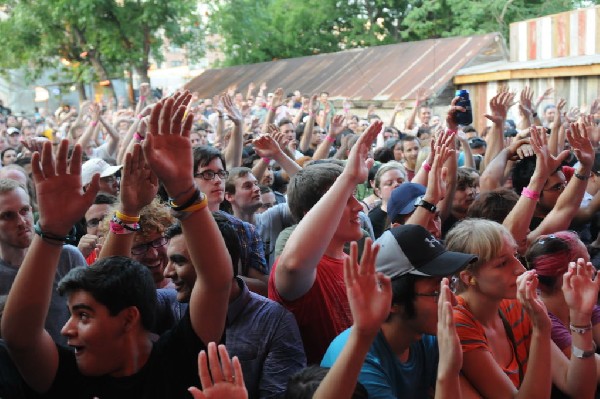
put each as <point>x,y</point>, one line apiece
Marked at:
<point>563,71</point>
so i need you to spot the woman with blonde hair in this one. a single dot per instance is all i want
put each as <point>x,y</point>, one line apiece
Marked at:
<point>388,177</point>
<point>504,327</point>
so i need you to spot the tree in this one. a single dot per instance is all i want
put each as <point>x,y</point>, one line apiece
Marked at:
<point>95,39</point>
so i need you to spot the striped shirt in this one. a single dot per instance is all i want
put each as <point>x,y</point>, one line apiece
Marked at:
<point>472,334</point>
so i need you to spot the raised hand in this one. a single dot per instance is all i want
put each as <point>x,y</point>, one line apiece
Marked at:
<point>313,105</point>
<point>525,99</point>
<point>545,163</point>
<point>34,144</point>
<point>422,95</point>
<point>399,107</point>
<point>337,125</point>
<point>357,165</point>
<point>451,115</point>
<point>578,137</point>
<point>580,287</point>
<point>234,113</point>
<point>450,361</point>
<point>58,182</point>
<point>94,111</point>
<point>527,284</point>
<point>225,379</point>
<point>139,184</point>
<point>145,90</point>
<point>369,293</point>
<point>436,182</point>
<point>277,99</point>
<point>499,105</point>
<point>266,147</point>
<point>167,147</point>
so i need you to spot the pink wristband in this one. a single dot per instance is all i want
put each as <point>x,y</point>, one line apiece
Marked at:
<point>450,131</point>
<point>426,166</point>
<point>142,98</point>
<point>93,123</point>
<point>116,228</point>
<point>330,139</point>
<point>266,160</point>
<point>272,109</point>
<point>140,116</point>
<point>138,136</point>
<point>530,194</point>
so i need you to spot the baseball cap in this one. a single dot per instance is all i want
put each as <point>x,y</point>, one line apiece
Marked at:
<point>97,165</point>
<point>410,249</point>
<point>12,130</point>
<point>402,200</point>
<point>477,142</point>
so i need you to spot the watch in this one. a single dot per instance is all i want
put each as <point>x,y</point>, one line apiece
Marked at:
<point>427,205</point>
<point>581,354</point>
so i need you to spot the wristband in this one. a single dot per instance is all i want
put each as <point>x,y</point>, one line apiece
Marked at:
<point>185,213</point>
<point>581,354</point>
<point>118,227</point>
<point>274,109</point>
<point>527,193</point>
<point>582,177</point>
<point>426,166</point>
<point>140,116</point>
<point>330,139</point>
<point>534,114</point>
<point>311,114</point>
<point>126,218</point>
<point>60,240</point>
<point>142,98</point>
<point>93,123</point>
<point>189,203</point>
<point>450,131</point>
<point>138,137</point>
<point>266,160</point>
<point>580,329</point>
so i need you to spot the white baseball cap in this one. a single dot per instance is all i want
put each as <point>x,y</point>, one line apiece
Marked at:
<point>97,165</point>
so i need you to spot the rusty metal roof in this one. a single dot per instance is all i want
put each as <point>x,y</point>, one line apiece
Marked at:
<point>383,73</point>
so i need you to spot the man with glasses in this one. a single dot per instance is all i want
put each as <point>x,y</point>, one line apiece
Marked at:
<point>109,181</point>
<point>210,176</point>
<point>93,217</point>
<point>403,359</point>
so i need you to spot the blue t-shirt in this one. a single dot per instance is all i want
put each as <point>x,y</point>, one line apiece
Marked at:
<point>382,373</point>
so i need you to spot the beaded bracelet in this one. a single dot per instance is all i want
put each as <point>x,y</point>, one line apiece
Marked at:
<point>330,139</point>
<point>580,329</point>
<point>138,137</point>
<point>266,160</point>
<point>426,166</point>
<point>117,227</point>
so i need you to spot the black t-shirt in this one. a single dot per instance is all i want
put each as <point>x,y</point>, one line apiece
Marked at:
<point>378,220</point>
<point>171,369</point>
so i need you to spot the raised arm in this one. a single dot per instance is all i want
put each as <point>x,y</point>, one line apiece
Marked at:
<point>554,144</point>
<point>267,147</point>
<point>397,109</point>
<point>297,266</point>
<point>519,218</point>
<point>138,188</point>
<point>526,108</point>
<point>276,102</point>
<point>113,140</point>
<point>337,127</point>
<point>499,105</point>
<point>421,96</point>
<point>233,151</point>
<point>313,108</point>
<point>168,151</point>
<point>57,183</point>
<point>569,200</point>
<point>577,376</point>
<point>92,128</point>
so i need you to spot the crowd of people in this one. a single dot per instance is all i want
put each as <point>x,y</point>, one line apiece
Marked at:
<point>263,245</point>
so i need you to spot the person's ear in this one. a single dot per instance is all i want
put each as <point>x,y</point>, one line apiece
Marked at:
<point>229,197</point>
<point>466,277</point>
<point>130,317</point>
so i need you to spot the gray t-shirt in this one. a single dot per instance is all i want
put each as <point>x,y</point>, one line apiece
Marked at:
<point>58,314</point>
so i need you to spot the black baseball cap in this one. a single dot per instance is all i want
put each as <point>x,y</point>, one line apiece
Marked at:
<point>411,249</point>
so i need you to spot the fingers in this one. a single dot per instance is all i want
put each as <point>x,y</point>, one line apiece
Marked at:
<point>203,372</point>
<point>47,160</point>
<point>226,364</point>
<point>238,374</point>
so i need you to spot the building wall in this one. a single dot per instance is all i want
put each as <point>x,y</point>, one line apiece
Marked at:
<point>566,34</point>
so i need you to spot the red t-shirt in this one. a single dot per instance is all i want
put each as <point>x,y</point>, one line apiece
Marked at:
<point>323,312</point>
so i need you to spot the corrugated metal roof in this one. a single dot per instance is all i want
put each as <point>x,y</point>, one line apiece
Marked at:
<point>535,64</point>
<point>383,73</point>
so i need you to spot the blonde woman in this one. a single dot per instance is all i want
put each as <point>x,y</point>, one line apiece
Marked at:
<point>504,327</point>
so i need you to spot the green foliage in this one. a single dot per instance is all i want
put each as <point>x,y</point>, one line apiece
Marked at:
<point>98,38</point>
<point>264,30</point>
